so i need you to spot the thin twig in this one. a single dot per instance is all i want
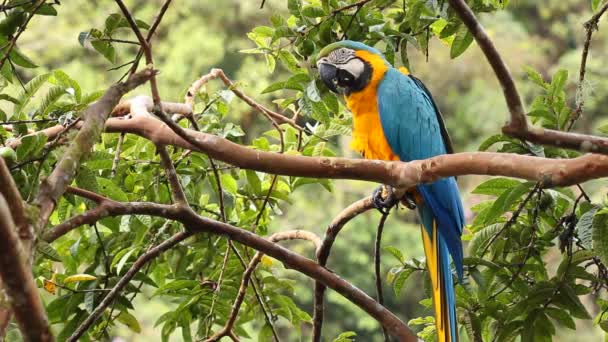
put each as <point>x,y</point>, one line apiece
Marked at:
<point>590,26</point>
<point>116,160</point>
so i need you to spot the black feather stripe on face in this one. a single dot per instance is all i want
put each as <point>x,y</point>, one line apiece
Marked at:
<point>353,84</point>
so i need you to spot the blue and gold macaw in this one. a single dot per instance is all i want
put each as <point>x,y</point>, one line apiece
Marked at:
<point>396,118</point>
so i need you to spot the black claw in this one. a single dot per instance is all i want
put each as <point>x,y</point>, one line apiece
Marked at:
<point>409,201</point>
<point>383,204</point>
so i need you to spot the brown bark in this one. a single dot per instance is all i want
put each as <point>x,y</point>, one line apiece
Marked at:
<point>19,285</point>
<point>94,118</point>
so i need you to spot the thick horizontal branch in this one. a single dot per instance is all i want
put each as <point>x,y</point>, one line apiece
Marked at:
<point>550,172</point>
<point>18,283</point>
<point>94,116</point>
<point>292,260</point>
<point>518,126</point>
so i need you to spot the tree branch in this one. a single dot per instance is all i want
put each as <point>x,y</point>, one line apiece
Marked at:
<point>137,265</point>
<point>238,301</point>
<point>323,251</point>
<point>176,188</point>
<point>590,26</point>
<point>9,190</point>
<point>517,126</point>
<point>196,223</point>
<point>18,283</point>
<point>145,46</point>
<point>550,172</point>
<point>377,274</point>
<point>95,116</point>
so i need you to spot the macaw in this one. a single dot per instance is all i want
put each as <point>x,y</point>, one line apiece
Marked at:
<point>396,118</point>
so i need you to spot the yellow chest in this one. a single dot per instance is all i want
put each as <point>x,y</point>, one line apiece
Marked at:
<point>368,136</point>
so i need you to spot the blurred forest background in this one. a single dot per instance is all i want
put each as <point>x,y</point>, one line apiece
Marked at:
<point>198,35</point>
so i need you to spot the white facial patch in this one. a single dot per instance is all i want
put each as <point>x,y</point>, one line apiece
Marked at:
<point>354,67</point>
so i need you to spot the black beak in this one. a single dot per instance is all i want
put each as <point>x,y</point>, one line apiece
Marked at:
<point>329,74</point>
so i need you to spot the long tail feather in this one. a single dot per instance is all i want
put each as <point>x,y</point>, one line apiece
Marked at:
<point>438,264</point>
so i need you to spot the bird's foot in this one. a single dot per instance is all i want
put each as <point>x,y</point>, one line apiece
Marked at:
<point>384,198</point>
<point>408,200</point>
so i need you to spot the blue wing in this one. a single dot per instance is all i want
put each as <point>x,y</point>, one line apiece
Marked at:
<point>413,128</point>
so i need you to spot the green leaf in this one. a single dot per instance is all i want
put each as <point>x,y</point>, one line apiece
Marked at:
<point>47,9</point>
<point>229,184</point>
<point>600,234</point>
<point>396,253</point>
<point>123,259</point>
<point>21,60</point>
<point>461,42</point>
<point>348,336</point>
<point>573,302</point>
<point>47,250</point>
<point>562,317</point>
<point>129,320</point>
<point>313,11</point>
<point>535,77</point>
<point>505,200</point>
<point>595,4</point>
<point>584,227</point>
<point>400,279</point>
<point>29,90</point>
<point>254,181</point>
<point>106,49</point>
<point>481,238</point>
<point>495,186</point>
<point>109,189</point>
<point>9,98</point>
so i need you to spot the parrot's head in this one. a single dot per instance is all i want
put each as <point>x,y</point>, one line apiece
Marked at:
<point>347,66</point>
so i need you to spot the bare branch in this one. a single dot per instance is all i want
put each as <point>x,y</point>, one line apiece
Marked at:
<point>323,251</point>
<point>145,46</point>
<point>551,172</point>
<point>377,254</point>
<point>517,126</point>
<point>176,188</point>
<point>516,107</point>
<point>95,116</point>
<point>137,265</point>
<point>18,283</point>
<point>219,73</point>
<point>590,26</point>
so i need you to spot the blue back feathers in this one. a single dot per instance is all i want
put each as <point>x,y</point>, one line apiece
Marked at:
<point>412,128</point>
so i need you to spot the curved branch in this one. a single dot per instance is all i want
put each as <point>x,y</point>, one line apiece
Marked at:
<point>517,126</point>
<point>238,301</point>
<point>197,223</point>
<point>18,283</point>
<point>323,251</point>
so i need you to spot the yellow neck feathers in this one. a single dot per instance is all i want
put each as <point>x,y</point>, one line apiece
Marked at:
<point>368,137</point>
